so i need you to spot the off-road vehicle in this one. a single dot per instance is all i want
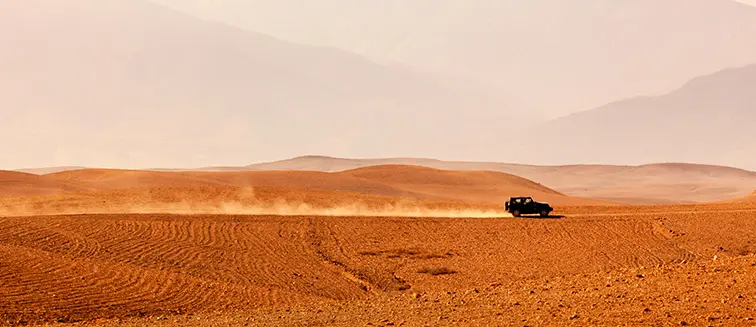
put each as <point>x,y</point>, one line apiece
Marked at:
<point>524,205</point>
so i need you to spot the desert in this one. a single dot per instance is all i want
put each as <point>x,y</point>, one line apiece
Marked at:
<point>377,163</point>
<point>383,245</point>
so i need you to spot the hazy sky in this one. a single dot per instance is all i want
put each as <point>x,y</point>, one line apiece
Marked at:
<point>559,56</point>
<point>84,84</point>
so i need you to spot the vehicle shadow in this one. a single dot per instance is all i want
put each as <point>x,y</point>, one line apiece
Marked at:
<point>539,217</point>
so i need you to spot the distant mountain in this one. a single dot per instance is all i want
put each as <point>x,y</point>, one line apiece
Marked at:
<point>660,183</point>
<point>48,170</point>
<point>132,84</point>
<point>562,56</point>
<point>706,121</point>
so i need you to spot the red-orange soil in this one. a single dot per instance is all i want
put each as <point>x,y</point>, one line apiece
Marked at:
<point>23,184</point>
<point>108,254</point>
<point>391,190</point>
<point>389,180</point>
<point>85,267</point>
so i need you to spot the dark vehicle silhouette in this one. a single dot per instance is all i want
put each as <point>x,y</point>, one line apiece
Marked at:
<point>525,205</point>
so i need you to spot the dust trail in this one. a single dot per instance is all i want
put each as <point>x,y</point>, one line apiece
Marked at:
<point>243,202</point>
<point>279,209</point>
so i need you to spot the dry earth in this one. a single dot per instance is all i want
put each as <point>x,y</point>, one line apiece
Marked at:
<point>359,270</point>
<point>105,256</point>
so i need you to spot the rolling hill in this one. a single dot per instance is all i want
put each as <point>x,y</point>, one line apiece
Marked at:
<point>133,84</point>
<point>662,183</point>
<point>705,121</point>
<point>560,56</point>
<point>389,190</point>
<point>18,184</point>
<point>385,180</point>
<point>48,170</point>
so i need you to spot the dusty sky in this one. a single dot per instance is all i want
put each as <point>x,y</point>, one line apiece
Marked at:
<point>559,56</point>
<point>84,84</point>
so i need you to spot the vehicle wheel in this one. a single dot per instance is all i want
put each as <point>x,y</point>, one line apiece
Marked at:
<point>544,213</point>
<point>516,213</point>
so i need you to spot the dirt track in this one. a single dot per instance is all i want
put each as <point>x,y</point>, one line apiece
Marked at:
<point>121,266</point>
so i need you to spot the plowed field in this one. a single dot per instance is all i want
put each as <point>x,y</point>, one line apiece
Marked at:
<point>171,269</point>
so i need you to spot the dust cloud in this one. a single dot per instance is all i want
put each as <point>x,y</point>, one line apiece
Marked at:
<point>242,202</point>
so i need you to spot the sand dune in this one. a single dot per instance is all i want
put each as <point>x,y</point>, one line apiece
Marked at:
<point>388,180</point>
<point>49,170</point>
<point>17,183</point>
<point>661,183</point>
<point>480,186</point>
<point>388,190</point>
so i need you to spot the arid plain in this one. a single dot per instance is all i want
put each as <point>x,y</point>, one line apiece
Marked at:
<point>381,245</point>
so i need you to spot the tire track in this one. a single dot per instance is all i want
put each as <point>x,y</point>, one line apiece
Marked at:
<point>316,233</point>
<point>80,267</point>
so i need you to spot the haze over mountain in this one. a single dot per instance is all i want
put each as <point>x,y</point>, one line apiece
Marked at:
<point>561,56</point>
<point>709,120</point>
<point>132,84</point>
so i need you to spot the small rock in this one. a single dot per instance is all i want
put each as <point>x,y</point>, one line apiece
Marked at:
<point>575,316</point>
